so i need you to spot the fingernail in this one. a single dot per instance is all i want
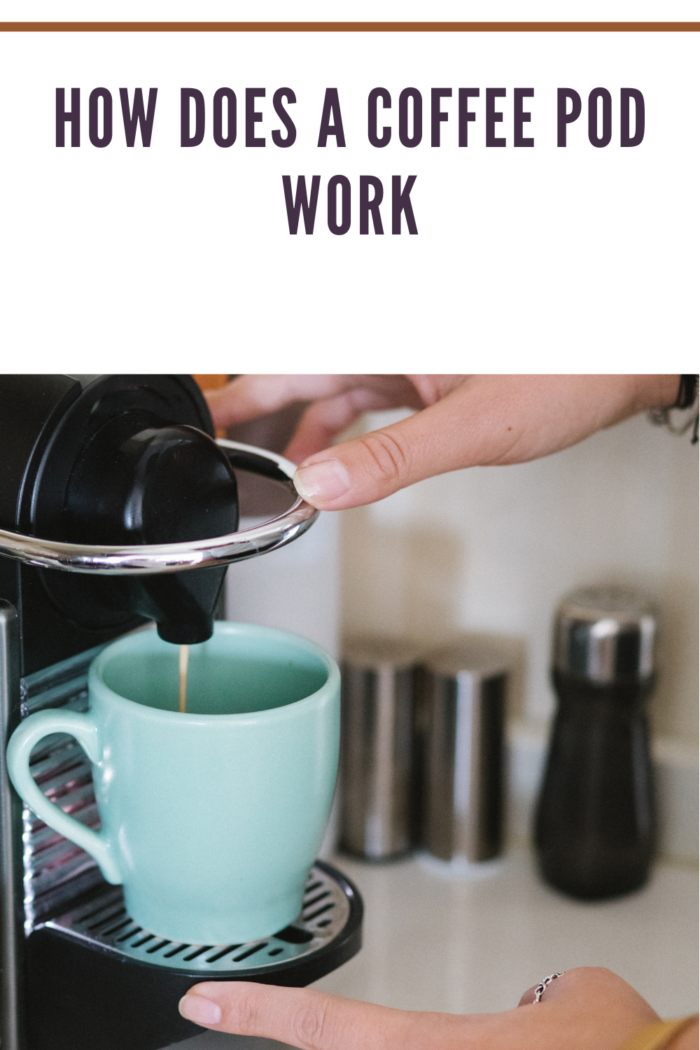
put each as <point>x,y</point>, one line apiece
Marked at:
<point>200,1010</point>
<point>324,481</point>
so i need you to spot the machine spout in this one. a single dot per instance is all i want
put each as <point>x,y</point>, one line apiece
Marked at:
<point>160,485</point>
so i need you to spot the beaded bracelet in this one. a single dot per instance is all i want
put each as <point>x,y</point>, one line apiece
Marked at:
<point>687,393</point>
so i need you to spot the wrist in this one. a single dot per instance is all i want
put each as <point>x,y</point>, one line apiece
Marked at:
<point>658,391</point>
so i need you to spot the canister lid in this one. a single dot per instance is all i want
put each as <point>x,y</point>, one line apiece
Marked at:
<point>605,635</point>
<point>374,651</point>
<point>476,656</point>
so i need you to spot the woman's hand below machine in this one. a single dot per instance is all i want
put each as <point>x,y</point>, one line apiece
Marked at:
<point>585,1009</point>
<point>462,421</point>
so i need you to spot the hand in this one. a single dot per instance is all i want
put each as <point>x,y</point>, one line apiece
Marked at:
<point>584,1009</point>
<point>462,421</point>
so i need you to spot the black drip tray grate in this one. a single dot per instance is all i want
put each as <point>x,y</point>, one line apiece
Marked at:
<point>324,915</point>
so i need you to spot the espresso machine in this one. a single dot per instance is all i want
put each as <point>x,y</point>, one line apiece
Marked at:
<point>118,508</point>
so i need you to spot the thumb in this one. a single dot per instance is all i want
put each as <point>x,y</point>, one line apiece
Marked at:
<point>303,1017</point>
<point>432,441</point>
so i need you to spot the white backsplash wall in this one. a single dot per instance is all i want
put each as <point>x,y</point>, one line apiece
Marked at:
<point>493,549</point>
<point>296,588</point>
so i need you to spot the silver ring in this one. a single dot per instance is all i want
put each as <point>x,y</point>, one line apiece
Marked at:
<point>539,990</point>
<point>174,557</point>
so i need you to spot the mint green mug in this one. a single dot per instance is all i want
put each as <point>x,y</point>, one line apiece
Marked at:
<point>211,819</point>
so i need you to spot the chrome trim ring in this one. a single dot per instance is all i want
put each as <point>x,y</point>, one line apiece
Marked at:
<point>149,559</point>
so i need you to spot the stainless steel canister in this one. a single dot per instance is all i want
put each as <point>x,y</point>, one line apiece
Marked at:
<point>463,791</point>
<point>377,813</point>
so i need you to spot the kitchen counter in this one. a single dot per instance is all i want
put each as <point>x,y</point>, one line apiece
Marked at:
<point>434,943</point>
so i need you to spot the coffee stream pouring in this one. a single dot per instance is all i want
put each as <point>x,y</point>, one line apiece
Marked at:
<point>182,669</point>
<point>117,506</point>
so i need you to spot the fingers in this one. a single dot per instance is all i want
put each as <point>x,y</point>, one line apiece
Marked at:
<point>482,420</point>
<point>583,984</point>
<point>475,420</point>
<point>528,997</point>
<point>586,985</point>
<point>586,1007</point>
<point>324,420</point>
<point>439,438</point>
<point>300,1016</point>
<point>251,396</point>
<point>593,1002</point>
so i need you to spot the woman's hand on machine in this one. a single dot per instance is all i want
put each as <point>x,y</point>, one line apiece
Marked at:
<point>585,1009</point>
<point>461,421</point>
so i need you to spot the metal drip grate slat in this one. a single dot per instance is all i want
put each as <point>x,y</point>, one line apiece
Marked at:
<point>105,922</point>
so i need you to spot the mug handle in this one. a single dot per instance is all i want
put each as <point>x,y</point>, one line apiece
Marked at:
<point>24,738</point>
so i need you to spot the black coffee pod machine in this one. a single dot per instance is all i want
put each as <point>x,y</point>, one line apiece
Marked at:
<point>118,507</point>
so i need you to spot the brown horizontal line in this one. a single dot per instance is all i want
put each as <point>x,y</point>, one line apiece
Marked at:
<point>349,27</point>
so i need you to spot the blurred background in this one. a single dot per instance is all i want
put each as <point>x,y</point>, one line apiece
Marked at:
<point>485,556</point>
<point>491,551</point>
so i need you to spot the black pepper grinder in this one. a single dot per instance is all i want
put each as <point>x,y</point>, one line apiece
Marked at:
<point>595,823</point>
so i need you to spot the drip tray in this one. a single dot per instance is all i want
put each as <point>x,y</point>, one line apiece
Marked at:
<point>330,919</point>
